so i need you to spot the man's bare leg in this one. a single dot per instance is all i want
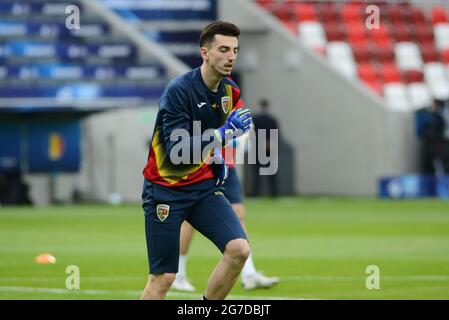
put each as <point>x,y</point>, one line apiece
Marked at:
<point>181,282</point>
<point>157,286</point>
<point>228,269</point>
<point>252,279</point>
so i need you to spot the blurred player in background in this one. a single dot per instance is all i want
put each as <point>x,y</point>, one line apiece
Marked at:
<point>201,100</point>
<point>251,278</point>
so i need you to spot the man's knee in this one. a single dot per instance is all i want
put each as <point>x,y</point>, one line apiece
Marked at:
<point>163,280</point>
<point>237,250</point>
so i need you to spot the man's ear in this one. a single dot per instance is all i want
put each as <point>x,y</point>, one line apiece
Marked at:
<point>204,51</point>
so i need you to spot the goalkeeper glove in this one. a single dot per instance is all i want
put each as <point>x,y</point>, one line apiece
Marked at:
<point>238,123</point>
<point>219,167</point>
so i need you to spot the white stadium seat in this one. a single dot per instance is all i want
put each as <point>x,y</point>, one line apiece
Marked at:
<point>396,97</point>
<point>435,76</point>
<point>419,95</point>
<point>339,55</point>
<point>441,33</point>
<point>408,56</point>
<point>312,35</point>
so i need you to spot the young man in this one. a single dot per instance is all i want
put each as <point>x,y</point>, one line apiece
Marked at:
<point>251,279</point>
<point>175,190</point>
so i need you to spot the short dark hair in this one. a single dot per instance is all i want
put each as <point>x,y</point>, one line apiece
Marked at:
<point>218,27</point>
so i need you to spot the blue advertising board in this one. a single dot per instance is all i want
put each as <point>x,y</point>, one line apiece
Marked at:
<point>407,186</point>
<point>54,146</point>
<point>40,146</point>
<point>10,145</point>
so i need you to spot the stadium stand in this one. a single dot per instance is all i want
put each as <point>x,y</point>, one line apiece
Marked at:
<point>176,29</point>
<point>392,60</point>
<point>45,66</point>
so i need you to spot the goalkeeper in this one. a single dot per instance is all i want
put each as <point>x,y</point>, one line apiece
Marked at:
<point>251,278</point>
<point>175,189</point>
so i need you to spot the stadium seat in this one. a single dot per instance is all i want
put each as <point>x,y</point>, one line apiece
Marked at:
<point>417,15</point>
<point>408,56</point>
<point>290,25</point>
<point>351,12</point>
<point>445,55</point>
<point>424,33</point>
<point>435,76</point>
<point>380,36</point>
<point>356,33</point>
<point>339,55</point>
<point>384,53</point>
<point>441,32</point>
<point>312,35</point>
<point>367,72</point>
<point>413,76</point>
<point>389,73</point>
<point>429,53</point>
<point>403,33</point>
<point>328,12</point>
<point>305,12</point>
<point>396,97</point>
<point>334,31</point>
<point>374,86</point>
<point>439,15</point>
<point>419,95</point>
<point>395,12</point>
<point>362,54</point>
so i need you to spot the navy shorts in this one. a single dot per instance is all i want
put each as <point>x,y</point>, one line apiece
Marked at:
<point>233,191</point>
<point>203,205</point>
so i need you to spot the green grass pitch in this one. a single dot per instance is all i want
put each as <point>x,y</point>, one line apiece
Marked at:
<point>320,248</point>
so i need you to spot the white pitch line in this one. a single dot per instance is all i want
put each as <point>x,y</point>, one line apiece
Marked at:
<point>130,293</point>
<point>363,278</point>
<point>293,278</point>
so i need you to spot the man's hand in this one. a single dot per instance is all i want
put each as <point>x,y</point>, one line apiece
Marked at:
<point>219,167</point>
<point>237,124</point>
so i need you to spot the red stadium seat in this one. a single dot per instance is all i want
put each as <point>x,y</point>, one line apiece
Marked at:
<point>362,53</point>
<point>351,12</point>
<point>290,25</point>
<point>439,15</point>
<point>417,15</point>
<point>424,33</point>
<point>389,73</point>
<point>367,72</point>
<point>413,76</point>
<point>334,32</point>
<point>328,12</point>
<point>395,13</point>
<point>375,86</point>
<point>305,12</point>
<point>429,53</point>
<point>445,55</point>
<point>380,36</point>
<point>356,33</point>
<point>283,11</point>
<point>384,53</point>
<point>402,33</point>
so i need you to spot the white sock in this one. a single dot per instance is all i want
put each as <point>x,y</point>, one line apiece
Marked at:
<point>182,271</point>
<point>249,267</point>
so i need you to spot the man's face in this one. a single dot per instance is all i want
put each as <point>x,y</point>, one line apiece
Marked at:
<point>221,54</point>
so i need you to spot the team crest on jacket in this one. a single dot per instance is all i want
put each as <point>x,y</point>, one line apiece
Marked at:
<point>226,103</point>
<point>162,211</point>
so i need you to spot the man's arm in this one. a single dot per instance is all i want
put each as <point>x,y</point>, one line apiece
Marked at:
<point>176,116</point>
